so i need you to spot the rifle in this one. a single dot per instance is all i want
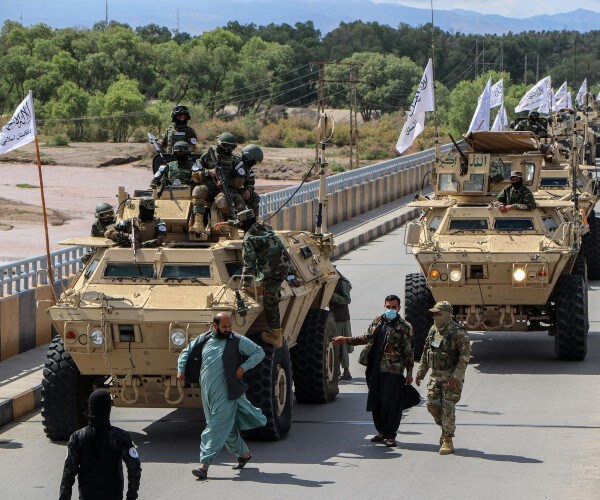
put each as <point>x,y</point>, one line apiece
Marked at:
<point>164,182</point>
<point>133,241</point>
<point>465,160</point>
<point>154,141</point>
<point>213,162</point>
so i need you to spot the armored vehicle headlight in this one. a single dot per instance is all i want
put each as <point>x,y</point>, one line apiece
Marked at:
<point>455,275</point>
<point>434,274</point>
<point>519,274</point>
<point>178,338</point>
<point>97,337</point>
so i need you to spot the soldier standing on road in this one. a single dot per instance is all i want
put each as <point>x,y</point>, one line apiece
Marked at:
<point>223,358</point>
<point>338,305</point>
<point>447,352</point>
<point>517,196</point>
<point>150,231</point>
<point>179,130</point>
<point>251,155</point>
<point>105,216</point>
<point>95,454</point>
<point>388,352</point>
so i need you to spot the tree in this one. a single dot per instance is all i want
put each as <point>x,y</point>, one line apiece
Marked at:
<point>124,104</point>
<point>71,103</point>
<point>153,33</point>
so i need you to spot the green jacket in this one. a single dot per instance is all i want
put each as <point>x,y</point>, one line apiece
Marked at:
<point>175,171</point>
<point>264,254</point>
<point>232,166</point>
<point>451,357</point>
<point>175,134</point>
<point>399,350</point>
<point>521,199</point>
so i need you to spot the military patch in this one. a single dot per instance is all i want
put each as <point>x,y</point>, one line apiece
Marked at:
<point>193,141</point>
<point>133,452</point>
<point>251,174</point>
<point>162,227</point>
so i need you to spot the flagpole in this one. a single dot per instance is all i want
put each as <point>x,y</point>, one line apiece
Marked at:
<point>48,257</point>
<point>435,125</point>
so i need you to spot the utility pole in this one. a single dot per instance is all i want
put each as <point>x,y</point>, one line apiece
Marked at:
<point>476,58</point>
<point>525,71</point>
<point>483,58</point>
<point>501,56</point>
<point>106,12</point>
<point>177,21</point>
<point>537,67</point>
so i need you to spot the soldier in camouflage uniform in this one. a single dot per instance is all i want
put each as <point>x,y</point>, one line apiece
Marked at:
<point>208,189</point>
<point>179,130</point>
<point>338,305</point>
<point>516,196</point>
<point>532,124</point>
<point>447,351</point>
<point>105,216</point>
<point>251,155</point>
<point>388,352</point>
<point>150,231</point>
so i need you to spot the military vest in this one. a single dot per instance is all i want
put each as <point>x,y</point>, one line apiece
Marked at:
<point>182,133</point>
<point>444,357</point>
<point>181,172</point>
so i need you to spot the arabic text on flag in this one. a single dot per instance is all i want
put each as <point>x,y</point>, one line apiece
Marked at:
<point>537,96</point>
<point>20,129</point>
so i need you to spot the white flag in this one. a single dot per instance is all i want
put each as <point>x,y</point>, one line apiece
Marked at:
<point>481,118</point>
<point>559,95</point>
<point>497,94</point>
<point>549,104</point>
<point>501,121</point>
<point>581,94</point>
<point>20,129</point>
<point>537,96</point>
<point>424,101</point>
<point>565,102</point>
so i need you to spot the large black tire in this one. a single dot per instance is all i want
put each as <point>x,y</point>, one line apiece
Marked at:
<point>591,247</point>
<point>570,318</point>
<point>417,302</point>
<point>65,393</point>
<point>270,389</point>
<point>315,361</point>
<point>580,267</point>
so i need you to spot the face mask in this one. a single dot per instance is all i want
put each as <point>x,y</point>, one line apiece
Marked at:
<point>390,314</point>
<point>517,185</point>
<point>442,318</point>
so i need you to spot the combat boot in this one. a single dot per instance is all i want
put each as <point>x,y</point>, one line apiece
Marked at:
<point>198,226</point>
<point>447,446</point>
<point>274,337</point>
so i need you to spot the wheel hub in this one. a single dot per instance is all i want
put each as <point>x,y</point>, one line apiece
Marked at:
<point>330,362</point>
<point>281,384</point>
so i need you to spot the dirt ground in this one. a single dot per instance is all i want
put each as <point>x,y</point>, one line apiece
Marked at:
<point>81,175</point>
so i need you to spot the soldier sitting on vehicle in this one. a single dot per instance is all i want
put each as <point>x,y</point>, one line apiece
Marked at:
<point>516,196</point>
<point>149,231</point>
<point>105,216</point>
<point>251,155</point>
<point>532,124</point>
<point>179,130</point>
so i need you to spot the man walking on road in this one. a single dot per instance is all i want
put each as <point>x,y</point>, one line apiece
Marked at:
<point>219,358</point>
<point>338,305</point>
<point>388,352</point>
<point>447,352</point>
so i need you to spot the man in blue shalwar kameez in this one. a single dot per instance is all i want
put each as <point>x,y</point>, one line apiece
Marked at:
<point>224,357</point>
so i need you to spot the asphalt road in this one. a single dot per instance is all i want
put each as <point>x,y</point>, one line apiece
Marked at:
<point>528,427</point>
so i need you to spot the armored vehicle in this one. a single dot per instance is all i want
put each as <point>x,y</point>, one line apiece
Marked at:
<point>128,314</point>
<point>515,270</point>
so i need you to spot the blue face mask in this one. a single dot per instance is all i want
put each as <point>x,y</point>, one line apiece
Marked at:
<point>391,314</point>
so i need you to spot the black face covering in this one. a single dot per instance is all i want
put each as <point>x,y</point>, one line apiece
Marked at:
<point>225,150</point>
<point>146,215</point>
<point>247,224</point>
<point>99,408</point>
<point>516,185</point>
<point>180,123</point>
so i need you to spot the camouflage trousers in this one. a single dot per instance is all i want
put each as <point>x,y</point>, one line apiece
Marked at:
<point>271,298</point>
<point>211,193</point>
<point>441,403</point>
<point>252,203</point>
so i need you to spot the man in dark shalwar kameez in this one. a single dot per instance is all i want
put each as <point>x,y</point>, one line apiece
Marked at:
<point>388,352</point>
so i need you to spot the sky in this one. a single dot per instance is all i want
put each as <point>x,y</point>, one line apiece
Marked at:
<point>510,8</point>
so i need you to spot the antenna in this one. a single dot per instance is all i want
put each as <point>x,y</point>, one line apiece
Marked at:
<point>106,12</point>
<point>435,124</point>
<point>177,20</point>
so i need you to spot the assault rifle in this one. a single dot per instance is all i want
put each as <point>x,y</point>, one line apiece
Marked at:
<point>154,141</point>
<point>133,241</point>
<point>214,163</point>
<point>464,164</point>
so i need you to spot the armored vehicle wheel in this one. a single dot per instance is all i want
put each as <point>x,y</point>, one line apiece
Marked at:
<point>417,302</point>
<point>315,361</point>
<point>570,318</point>
<point>270,389</point>
<point>65,393</point>
<point>580,267</point>
<point>591,247</point>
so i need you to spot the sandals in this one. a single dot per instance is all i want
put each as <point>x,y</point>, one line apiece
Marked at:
<point>201,473</point>
<point>390,443</point>
<point>378,438</point>
<point>242,461</point>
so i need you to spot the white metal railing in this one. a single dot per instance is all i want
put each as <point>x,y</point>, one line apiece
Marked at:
<point>24,275</point>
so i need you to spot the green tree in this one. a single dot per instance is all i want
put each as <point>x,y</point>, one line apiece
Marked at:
<point>70,104</point>
<point>124,105</point>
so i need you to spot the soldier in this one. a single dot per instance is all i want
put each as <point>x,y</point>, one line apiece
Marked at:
<point>516,196</point>
<point>532,124</point>
<point>150,231</point>
<point>251,155</point>
<point>105,216</point>
<point>447,351</point>
<point>179,170</point>
<point>338,305</point>
<point>209,189</point>
<point>179,130</point>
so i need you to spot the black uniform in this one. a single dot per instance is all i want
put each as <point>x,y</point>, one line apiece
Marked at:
<point>95,455</point>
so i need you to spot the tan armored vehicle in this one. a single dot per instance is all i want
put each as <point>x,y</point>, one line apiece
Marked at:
<point>501,271</point>
<point>124,320</point>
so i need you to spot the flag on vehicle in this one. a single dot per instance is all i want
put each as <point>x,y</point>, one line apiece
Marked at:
<point>20,129</point>
<point>538,96</point>
<point>481,118</point>
<point>423,102</point>
<point>559,95</point>
<point>501,121</point>
<point>497,94</point>
<point>581,94</point>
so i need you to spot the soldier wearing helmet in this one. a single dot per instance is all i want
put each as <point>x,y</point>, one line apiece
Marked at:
<point>532,124</point>
<point>105,216</point>
<point>517,196</point>
<point>149,231</point>
<point>179,130</point>
<point>208,188</point>
<point>447,351</point>
<point>251,155</point>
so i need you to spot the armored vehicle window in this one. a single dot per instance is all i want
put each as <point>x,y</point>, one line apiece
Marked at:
<point>435,223</point>
<point>123,270</point>
<point>92,268</point>
<point>474,184</point>
<point>550,223</point>
<point>185,271</point>
<point>500,170</point>
<point>447,183</point>
<point>520,224</point>
<point>529,172</point>
<point>234,268</point>
<point>554,182</point>
<point>469,224</point>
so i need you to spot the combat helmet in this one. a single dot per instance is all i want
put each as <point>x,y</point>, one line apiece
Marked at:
<point>180,110</point>
<point>252,154</point>
<point>226,141</point>
<point>105,213</point>
<point>181,148</point>
<point>534,115</point>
